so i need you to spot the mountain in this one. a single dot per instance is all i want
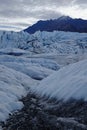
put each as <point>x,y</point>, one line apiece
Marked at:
<point>64,23</point>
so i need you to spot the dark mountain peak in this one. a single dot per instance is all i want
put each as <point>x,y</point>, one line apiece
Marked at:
<point>63,23</point>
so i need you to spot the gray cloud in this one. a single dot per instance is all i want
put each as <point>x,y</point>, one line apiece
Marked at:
<point>27,8</point>
<point>25,12</point>
<point>81,3</point>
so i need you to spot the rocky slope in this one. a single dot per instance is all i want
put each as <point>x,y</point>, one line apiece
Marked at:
<point>64,23</point>
<point>44,114</point>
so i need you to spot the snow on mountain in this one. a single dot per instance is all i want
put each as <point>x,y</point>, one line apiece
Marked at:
<point>13,85</point>
<point>69,82</point>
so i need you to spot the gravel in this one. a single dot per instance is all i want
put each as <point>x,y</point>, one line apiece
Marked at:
<point>42,114</point>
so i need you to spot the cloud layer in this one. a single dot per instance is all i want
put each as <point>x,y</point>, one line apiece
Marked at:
<point>22,13</point>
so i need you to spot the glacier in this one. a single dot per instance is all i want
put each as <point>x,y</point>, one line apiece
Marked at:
<point>48,63</point>
<point>13,85</point>
<point>45,42</point>
<point>70,82</point>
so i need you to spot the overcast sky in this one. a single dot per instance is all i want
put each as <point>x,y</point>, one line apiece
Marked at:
<point>19,14</point>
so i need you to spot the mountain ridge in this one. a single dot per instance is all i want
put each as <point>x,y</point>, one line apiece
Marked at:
<point>63,23</point>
